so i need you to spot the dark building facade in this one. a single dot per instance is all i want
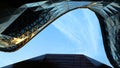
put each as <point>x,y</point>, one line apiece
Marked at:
<point>59,61</point>
<point>21,20</point>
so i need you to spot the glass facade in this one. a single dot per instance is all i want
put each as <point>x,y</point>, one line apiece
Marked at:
<point>59,61</point>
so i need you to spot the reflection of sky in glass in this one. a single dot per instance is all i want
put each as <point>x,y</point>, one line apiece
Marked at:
<point>77,32</point>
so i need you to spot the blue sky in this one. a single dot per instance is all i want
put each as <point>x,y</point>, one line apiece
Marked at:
<point>77,32</point>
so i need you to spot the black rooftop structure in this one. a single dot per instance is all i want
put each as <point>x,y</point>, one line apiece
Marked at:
<point>21,20</point>
<point>59,61</point>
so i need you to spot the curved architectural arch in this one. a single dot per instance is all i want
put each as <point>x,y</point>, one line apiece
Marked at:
<point>29,19</point>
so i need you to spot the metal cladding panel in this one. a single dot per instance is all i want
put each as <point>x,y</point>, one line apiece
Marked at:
<point>15,3</point>
<point>60,61</point>
<point>22,24</point>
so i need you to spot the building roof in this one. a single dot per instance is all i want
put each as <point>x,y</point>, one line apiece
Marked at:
<point>60,61</point>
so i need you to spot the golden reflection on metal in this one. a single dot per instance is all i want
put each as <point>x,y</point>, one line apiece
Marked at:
<point>22,38</point>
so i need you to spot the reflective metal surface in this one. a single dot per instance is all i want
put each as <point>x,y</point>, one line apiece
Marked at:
<point>18,27</point>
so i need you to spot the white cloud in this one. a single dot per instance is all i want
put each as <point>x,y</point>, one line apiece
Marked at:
<point>82,28</point>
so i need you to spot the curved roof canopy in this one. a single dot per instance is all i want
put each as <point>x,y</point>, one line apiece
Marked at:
<point>21,20</point>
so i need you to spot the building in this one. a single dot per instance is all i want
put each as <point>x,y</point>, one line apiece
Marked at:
<point>59,61</point>
<point>34,15</point>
